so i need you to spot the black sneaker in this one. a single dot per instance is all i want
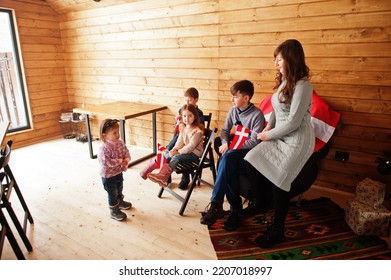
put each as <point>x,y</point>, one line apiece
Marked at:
<point>252,209</point>
<point>117,214</point>
<point>185,180</point>
<point>212,212</point>
<point>125,205</point>
<point>232,222</point>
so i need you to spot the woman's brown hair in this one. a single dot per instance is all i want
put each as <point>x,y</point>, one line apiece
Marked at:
<point>295,68</point>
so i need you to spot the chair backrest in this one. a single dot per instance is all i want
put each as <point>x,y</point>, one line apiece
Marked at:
<point>5,155</point>
<point>2,160</point>
<point>195,168</point>
<point>207,120</point>
<point>209,138</point>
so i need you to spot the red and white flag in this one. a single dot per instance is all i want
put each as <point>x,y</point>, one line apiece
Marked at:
<point>241,135</point>
<point>160,158</point>
<point>177,123</point>
<point>323,118</point>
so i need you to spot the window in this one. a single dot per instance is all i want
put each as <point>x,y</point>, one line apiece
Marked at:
<point>13,97</point>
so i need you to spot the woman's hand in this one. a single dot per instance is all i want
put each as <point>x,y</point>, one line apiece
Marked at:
<point>263,136</point>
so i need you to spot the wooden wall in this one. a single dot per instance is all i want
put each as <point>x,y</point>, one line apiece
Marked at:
<point>42,54</point>
<point>151,51</point>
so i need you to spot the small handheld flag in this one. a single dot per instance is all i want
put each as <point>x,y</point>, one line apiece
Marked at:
<point>241,135</point>
<point>177,123</point>
<point>160,158</point>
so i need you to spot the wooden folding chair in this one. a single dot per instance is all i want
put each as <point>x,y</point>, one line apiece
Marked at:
<point>6,231</point>
<point>194,169</point>
<point>7,185</point>
<point>207,120</point>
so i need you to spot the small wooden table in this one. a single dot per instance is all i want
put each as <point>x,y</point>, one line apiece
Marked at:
<point>122,111</point>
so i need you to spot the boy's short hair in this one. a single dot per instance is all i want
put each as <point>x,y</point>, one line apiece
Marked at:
<point>244,87</point>
<point>191,92</point>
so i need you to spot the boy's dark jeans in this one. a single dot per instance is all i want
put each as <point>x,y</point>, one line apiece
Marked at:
<point>230,166</point>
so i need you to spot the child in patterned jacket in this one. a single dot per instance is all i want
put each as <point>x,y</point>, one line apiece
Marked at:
<point>114,158</point>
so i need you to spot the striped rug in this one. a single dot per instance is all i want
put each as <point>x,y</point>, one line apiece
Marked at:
<point>314,230</point>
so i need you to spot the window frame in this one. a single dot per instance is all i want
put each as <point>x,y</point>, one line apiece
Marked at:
<point>19,73</point>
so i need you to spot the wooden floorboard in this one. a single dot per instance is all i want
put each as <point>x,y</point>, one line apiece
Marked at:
<point>62,188</point>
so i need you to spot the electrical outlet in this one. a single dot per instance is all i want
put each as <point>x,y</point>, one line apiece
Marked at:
<point>340,155</point>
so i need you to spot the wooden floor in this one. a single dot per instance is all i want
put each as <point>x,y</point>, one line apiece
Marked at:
<point>63,190</point>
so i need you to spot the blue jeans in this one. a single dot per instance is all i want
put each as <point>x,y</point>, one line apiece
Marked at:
<point>231,165</point>
<point>114,186</point>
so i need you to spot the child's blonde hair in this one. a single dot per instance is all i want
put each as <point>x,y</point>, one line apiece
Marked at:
<point>107,125</point>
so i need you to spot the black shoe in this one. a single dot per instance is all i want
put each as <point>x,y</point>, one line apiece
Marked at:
<point>252,209</point>
<point>117,214</point>
<point>185,180</point>
<point>232,222</point>
<point>213,212</point>
<point>273,235</point>
<point>125,205</point>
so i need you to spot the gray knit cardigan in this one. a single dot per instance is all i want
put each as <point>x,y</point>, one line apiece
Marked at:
<point>292,139</point>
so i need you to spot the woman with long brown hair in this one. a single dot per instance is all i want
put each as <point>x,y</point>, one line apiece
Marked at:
<point>287,141</point>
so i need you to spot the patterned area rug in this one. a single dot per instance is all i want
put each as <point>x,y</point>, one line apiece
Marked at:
<point>314,230</point>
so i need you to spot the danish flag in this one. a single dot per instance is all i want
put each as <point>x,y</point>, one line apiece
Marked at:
<point>241,135</point>
<point>160,158</point>
<point>177,123</point>
<point>323,118</point>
